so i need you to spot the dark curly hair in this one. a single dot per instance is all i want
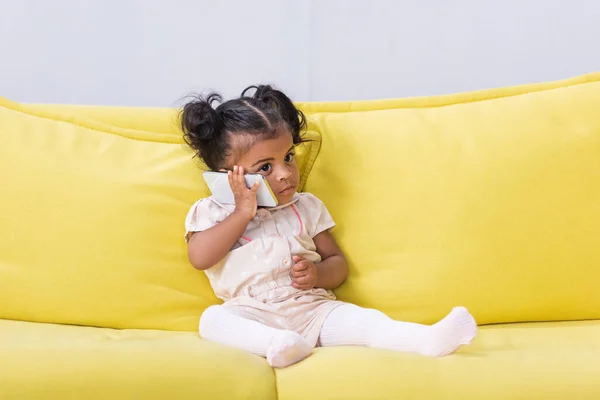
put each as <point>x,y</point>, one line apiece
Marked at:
<point>210,131</point>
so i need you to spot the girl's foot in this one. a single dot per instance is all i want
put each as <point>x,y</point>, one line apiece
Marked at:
<point>286,349</point>
<point>457,329</point>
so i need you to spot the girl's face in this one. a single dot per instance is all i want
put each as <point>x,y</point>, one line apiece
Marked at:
<point>275,159</point>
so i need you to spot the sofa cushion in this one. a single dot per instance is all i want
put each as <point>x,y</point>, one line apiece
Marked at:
<point>153,121</point>
<point>92,221</point>
<point>150,119</point>
<point>165,120</point>
<point>45,361</point>
<point>492,204</point>
<point>520,361</point>
<point>317,107</point>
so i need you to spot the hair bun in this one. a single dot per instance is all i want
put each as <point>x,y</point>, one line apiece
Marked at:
<point>200,122</point>
<point>265,94</point>
<point>277,100</point>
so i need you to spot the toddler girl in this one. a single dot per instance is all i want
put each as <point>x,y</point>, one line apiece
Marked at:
<point>274,268</point>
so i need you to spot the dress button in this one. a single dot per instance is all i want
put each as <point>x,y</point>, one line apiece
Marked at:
<point>286,262</point>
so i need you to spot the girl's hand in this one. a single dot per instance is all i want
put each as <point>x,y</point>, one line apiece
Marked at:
<point>304,274</point>
<point>245,199</point>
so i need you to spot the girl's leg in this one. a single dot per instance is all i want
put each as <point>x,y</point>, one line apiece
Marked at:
<point>280,347</point>
<point>350,325</point>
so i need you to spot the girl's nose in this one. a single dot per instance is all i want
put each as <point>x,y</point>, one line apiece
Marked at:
<point>284,173</point>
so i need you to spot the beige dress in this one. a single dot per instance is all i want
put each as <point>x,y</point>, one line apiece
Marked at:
<point>254,278</point>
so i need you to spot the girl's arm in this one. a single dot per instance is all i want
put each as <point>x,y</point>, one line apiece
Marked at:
<point>332,271</point>
<point>208,247</point>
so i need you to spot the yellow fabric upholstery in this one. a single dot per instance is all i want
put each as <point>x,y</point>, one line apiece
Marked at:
<point>442,100</point>
<point>491,204</point>
<point>516,361</point>
<point>487,199</point>
<point>92,223</point>
<point>164,120</point>
<point>45,361</point>
<point>158,120</point>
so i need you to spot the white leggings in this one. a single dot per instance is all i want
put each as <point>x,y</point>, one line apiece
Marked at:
<point>347,325</point>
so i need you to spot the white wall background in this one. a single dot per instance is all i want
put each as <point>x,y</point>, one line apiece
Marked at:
<point>153,52</point>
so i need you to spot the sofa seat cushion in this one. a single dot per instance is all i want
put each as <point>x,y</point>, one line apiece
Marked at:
<point>46,361</point>
<point>557,360</point>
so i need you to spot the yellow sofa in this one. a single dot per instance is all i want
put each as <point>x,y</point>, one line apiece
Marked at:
<point>488,199</point>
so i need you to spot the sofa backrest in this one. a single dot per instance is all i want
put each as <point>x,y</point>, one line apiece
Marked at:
<point>91,222</point>
<point>484,200</point>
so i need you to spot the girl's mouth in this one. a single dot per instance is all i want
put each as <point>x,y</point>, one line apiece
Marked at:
<point>287,190</point>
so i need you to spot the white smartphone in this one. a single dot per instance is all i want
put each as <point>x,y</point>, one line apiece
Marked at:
<point>218,183</point>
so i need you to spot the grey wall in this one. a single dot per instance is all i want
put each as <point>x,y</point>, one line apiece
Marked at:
<point>153,52</point>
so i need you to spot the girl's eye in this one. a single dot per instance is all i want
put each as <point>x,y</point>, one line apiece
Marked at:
<point>289,158</point>
<point>265,168</point>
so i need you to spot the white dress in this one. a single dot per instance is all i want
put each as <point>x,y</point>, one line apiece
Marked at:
<point>254,278</point>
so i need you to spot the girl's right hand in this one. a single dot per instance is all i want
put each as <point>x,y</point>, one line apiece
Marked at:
<point>245,199</point>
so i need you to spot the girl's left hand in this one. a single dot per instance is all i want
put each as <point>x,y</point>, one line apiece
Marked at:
<point>304,274</point>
